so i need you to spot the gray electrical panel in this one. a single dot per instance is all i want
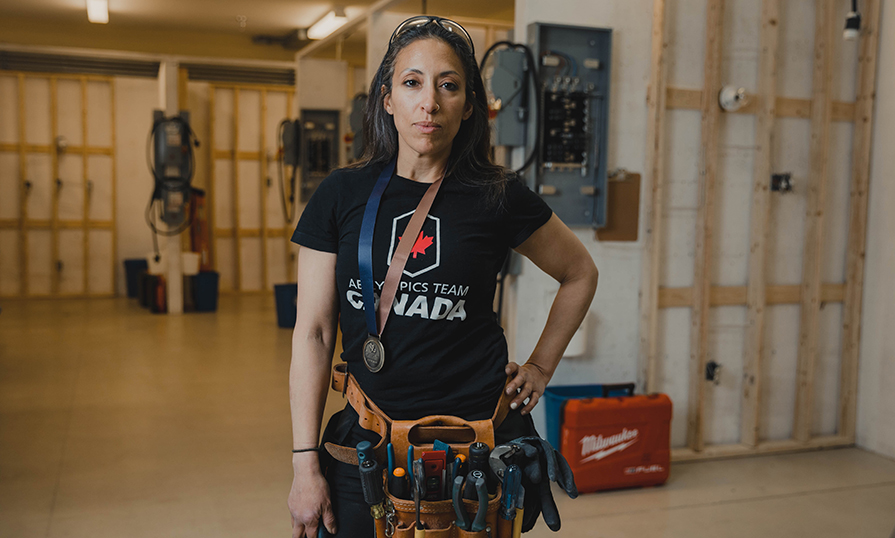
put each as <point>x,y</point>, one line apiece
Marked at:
<point>320,148</point>
<point>510,87</point>
<point>573,77</point>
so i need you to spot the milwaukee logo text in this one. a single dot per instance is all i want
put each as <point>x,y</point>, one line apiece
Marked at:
<point>597,447</point>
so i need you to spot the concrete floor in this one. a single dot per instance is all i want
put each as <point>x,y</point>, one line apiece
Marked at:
<point>115,422</point>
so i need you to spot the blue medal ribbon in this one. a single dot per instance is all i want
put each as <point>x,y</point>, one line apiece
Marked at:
<point>365,247</point>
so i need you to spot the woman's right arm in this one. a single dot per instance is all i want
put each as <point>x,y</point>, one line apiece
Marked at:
<point>313,342</point>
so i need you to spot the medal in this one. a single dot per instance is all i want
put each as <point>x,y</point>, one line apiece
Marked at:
<point>374,353</point>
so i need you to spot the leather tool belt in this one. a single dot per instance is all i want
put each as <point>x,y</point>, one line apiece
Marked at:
<point>438,516</point>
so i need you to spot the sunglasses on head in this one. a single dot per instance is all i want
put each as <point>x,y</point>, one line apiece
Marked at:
<point>422,20</point>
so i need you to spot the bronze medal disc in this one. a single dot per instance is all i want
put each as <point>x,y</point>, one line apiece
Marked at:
<point>374,354</point>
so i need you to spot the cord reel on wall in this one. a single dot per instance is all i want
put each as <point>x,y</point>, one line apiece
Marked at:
<point>172,162</point>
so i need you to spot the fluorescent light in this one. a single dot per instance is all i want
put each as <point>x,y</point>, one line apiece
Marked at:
<point>98,11</point>
<point>330,22</point>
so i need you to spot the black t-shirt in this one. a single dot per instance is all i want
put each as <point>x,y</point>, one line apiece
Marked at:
<point>445,352</point>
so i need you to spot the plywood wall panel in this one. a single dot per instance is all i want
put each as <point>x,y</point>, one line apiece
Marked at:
<point>723,401</point>
<point>223,193</point>
<point>778,375</point>
<point>249,195</point>
<point>10,275</point>
<point>100,262</point>
<point>99,113</point>
<point>10,208</point>
<point>673,346</point>
<point>38,124</point>
<point>226,263</point>
<point>250,250</point>
<point>40,262</point>
<point>732,198</point>
<point>71,195</point>
<point>796,60</point>
<point>9,109</point>
<point>40,174</point>
<point>223,119</point>
<point>276,261</point>
<point>68,95</point>
<point>71,254</point>
<point>835,230</point>
<point>99,173</point>
<point>685,31</point>
<point>827,370</point>
<point>249,120</point>
<point>787,219</point>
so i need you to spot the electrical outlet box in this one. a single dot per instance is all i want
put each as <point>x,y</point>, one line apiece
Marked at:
<point>573,77</point>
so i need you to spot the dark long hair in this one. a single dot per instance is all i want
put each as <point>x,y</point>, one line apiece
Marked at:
<point>470,160</point>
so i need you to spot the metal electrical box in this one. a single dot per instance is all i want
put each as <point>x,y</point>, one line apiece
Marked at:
<point>510,87</point>
<point>320,148</point>
<point>573,77</point>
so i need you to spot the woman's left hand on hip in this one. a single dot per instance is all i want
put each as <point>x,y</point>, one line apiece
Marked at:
<point>528,383</point>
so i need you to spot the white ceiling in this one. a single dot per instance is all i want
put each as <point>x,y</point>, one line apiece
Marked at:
<point>262,16</point>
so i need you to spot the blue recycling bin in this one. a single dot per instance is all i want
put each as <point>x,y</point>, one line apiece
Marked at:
<point>132,270</point>
<point>286,296</point>
<point>206,290</point>
<point>557,396</point>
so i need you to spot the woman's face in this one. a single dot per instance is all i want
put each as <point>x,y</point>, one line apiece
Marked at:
<point>428,98</point>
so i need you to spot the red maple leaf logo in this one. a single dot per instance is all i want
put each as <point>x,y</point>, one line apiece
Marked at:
<point>422,243</point>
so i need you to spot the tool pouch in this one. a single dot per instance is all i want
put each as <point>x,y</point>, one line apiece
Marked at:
<point>439,518</point>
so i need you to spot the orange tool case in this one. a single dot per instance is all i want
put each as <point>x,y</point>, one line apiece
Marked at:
<point>617,442</point>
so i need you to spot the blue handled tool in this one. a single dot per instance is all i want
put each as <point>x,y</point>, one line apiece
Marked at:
<point>390,451</point>
<point>364,452</point>
<point>512,481</point>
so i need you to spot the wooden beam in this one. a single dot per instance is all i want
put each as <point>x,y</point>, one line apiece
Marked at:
<point>262,189</point>
<point>114,188</point>
<point>291,271</point>
<point>708,171</point>
<point>56,191</point>
<point>717,452</point>
<point>761,213</point>
<point>654,189</point>
<point>786,107</point>
<point>812,258</point>
<point>857,223</point>
<point>23,194</point>
<point>237,281</point>
<point>85,283</point>
<point>738,295</point>
<point>212,247</point>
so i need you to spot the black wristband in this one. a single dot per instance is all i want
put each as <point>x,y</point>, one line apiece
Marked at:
<point>313,449</point>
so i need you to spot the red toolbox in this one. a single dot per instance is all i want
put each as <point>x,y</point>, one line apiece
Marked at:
<point>618,442</point>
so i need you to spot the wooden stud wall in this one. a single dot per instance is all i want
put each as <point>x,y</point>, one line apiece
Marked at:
<point>757,295</point>
<point>236,231</point>
<point>54,224</point>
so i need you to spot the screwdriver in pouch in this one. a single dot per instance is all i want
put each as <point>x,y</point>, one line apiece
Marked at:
<point>397,483</point>
<point>374,496</point>
<point>478,461</point>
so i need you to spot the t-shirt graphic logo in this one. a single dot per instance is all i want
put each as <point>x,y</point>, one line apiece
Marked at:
<point>426,251</point>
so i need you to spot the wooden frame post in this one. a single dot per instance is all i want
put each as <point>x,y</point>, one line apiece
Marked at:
<point>23,193</point>
<point>262,189</point>
<point>654,189</point>
<point>857,224</point>
<point>85,240</point>
<point>56,190</point>
<point>237,282</point>
<point>708,171</point>
<point>821,112</point>
<point>761,210</point>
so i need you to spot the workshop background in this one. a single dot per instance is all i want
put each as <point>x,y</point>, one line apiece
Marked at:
<point>746,252</point>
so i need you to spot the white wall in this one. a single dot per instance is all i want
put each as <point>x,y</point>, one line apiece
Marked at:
<point>613,324</point>
<point>135,99</point>
<point>876,397</point>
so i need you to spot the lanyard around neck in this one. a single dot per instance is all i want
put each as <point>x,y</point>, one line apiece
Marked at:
<point>402,253</point>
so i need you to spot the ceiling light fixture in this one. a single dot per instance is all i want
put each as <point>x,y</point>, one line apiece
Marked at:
<point>98,11</point>
<point>330,22</point>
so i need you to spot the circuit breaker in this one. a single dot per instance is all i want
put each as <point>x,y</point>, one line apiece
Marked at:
<point>320,148</point>
<point>573,120</point>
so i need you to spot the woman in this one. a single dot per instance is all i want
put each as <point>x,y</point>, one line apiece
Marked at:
<point>444,350</point>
